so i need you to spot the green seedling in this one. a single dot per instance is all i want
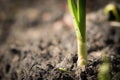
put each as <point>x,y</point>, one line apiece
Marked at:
<point>104,69</point>
<point>62,69</point>
<point>78,12</point>
<point>113,12</point>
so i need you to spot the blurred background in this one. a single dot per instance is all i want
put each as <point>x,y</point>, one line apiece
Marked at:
<point>24,14</point>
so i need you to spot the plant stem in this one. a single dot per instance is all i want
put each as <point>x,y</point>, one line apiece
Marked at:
<point>104,69</point>
<point>82,51</point>
<point>79,19</point>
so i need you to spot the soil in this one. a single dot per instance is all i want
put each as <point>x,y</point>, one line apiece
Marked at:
<point>37,39</point>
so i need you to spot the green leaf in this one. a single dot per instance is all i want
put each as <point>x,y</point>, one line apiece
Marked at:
<point>81,12</point>
<point>73,9</point>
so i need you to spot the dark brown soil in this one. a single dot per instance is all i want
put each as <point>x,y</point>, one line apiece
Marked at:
<point>33,47</point>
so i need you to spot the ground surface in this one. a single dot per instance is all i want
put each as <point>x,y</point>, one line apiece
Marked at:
<point>36,38</point>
